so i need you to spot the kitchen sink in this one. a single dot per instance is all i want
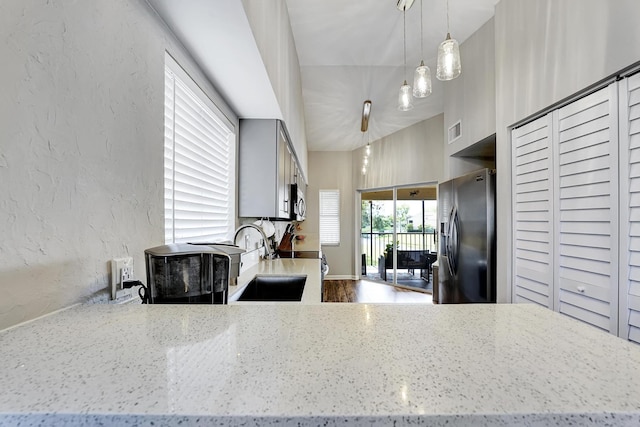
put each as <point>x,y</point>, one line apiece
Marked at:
<point>274,288</point>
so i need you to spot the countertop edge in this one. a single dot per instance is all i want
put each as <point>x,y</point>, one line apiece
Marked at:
<point>434,420</point>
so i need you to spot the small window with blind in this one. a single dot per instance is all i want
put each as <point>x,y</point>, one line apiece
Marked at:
<point>330,217</point>
<point>199,163</point>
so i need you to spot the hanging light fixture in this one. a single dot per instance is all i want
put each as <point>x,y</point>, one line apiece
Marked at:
<point>366,112</point>
<point>364,126</point>
<point>404,4</point>
<point>404,97</point>
<point>449,66</point>
<point>422,75</point>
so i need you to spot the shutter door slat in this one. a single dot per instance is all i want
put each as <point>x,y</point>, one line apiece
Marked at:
<point>587,115</point>
<point>583,313</point>
<point>528,296</point>
<point>534,196</point>
<point>532,236</point>
<point>630,116</point>
<point>532,246</point>
<point>532,147</point>
<point>583,131</point>
<point>585,152</point>
<point>582,104</point>
<point>603,202</point>
<point>533,213</point>
<point>590,253</point>
<point>532,176</point>
<point>586,196</point>
<point>591,176</point>
<point>540,165</point>
<point>585,240</point>
<point>531,216</point>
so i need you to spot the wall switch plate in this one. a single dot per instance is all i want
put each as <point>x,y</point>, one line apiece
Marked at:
<point>121,270</point>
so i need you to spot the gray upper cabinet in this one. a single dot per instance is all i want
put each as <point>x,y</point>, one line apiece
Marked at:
<point>267,168</point>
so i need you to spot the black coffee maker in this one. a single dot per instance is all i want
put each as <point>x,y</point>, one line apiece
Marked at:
<point>182,273</point>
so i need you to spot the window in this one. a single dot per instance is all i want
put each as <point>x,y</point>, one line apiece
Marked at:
<point>330,217</point>
<point>198,163</point>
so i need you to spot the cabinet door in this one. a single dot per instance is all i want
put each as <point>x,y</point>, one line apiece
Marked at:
<point>630,212</point>
<point>533,212</point>
<point>283,174</point>
<point>586,209</point>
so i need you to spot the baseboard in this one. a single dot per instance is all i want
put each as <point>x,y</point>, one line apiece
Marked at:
<point>336,277</point>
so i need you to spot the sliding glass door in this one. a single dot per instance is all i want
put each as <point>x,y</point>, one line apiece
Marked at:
<point>398,235</point>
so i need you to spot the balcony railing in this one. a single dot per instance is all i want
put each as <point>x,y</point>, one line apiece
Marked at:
<point>374,244</point>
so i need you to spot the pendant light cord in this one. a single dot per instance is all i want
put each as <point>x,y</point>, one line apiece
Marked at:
<point>404,40</point>
<point>448,17</point>
<point>421,37</point>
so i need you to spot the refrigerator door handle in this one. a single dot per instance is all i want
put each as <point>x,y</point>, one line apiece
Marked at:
<point>453,241</point>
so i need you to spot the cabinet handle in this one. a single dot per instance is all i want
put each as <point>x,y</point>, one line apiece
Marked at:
<point>581,289</point>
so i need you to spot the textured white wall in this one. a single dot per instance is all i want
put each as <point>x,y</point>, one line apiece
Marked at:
<point>269,21</point>
<point>81,151</point>
<point>545,51</point>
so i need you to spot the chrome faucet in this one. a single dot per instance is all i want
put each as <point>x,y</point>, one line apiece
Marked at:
<point>269,254</point>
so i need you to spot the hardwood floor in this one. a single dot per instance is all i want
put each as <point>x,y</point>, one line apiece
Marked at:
<point>364,291</point>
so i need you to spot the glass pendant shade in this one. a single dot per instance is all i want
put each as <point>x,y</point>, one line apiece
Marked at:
<point>422,81</point>
<point>368,152</point>
<point>404,98</point>
<point>449,66</point>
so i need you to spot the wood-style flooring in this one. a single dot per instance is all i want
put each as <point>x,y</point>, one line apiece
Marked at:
<point>364,291</point>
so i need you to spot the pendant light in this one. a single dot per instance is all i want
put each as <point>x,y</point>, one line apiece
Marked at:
<point>449,66</point>
<point>404,4</point>
<point>422,75</point>
<point>404,97</point>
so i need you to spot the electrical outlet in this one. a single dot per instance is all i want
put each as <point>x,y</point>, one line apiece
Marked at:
<point>121,270</point>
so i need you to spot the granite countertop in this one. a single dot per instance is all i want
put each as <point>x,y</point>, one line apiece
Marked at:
<point>322,364</point>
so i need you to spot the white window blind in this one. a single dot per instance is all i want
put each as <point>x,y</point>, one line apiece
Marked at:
<point>197,163</point>
<point>329,217</point>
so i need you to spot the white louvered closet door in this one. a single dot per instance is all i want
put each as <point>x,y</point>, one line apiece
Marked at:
<point>586,209</point>
<point>533,212</point>
<point>630,208</point>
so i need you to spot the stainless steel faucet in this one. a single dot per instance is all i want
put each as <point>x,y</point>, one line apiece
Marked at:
<point>269,254</point>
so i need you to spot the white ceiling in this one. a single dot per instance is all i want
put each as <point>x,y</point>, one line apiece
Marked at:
<point>349,51</point>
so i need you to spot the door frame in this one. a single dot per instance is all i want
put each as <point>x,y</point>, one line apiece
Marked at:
<point>358,223</point>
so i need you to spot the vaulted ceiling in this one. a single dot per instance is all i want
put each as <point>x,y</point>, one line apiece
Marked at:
<point>349,51</point>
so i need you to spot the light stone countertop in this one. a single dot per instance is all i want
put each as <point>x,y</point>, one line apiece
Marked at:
<point>321,364</point>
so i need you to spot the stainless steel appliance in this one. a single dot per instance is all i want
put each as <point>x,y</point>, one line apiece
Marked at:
<point>182,273</point>
<point>298,205</point>
<point>467,272</point>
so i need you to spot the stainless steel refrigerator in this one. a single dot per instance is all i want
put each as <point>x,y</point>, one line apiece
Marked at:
<point>467,272</point>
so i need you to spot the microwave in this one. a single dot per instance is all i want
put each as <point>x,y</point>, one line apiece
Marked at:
<point>298,206</point>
